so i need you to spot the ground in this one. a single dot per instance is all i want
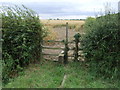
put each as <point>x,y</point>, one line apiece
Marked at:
<point>49,74</point>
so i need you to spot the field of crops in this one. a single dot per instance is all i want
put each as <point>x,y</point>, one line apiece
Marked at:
<point>57,27</point>
<point>60,23</point>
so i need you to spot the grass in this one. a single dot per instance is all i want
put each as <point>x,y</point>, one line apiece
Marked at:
<point>50,75</point>
<point>0,74</point>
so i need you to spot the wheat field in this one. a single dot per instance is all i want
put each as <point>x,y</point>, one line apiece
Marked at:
<point>76,24</point>
<point>52,25</point>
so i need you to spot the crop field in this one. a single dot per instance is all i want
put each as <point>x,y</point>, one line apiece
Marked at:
<point>56,28</point>
<point>60,23</point>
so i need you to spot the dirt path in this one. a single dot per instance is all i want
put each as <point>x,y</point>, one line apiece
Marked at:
<point>63,81</point>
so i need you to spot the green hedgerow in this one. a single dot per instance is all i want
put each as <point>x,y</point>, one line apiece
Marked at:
<point>22,36</point>
<point>101,43</point>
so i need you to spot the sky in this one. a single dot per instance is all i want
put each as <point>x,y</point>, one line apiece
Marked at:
<point>66,9</point>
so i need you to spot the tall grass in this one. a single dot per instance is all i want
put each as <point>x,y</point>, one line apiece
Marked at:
<point>51,35</point>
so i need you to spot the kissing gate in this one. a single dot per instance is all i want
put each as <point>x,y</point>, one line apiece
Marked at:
<point>63,56</point>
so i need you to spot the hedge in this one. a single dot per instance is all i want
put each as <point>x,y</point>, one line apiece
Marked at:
<point>22,35</point>
<point>101,45</point>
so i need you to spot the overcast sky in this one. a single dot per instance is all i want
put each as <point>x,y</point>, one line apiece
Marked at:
<point>69,9</point>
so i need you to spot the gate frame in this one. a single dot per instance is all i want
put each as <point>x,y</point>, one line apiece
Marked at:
<point>66,49</point>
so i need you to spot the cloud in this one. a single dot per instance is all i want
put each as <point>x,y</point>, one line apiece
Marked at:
<point>65,8</point>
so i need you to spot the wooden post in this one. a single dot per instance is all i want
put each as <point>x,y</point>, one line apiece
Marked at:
<point>66,46</point>
<point>41,50</point>
<point>67,33</point>
<point>77,36</point>
<point>76,50</point>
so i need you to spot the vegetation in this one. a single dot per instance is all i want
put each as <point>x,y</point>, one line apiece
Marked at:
<point>22,37</point>
<point>22,34</point>
<point>0,74</point>
<point>72,24</point>
<point>101,45</point>
<point>50,75</point>
<point>50,34</point>
<point>54,24</point>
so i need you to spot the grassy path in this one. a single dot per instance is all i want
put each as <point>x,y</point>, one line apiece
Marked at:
<point>51,75</point>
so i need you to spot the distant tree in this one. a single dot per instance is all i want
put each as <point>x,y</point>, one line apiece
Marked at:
<point>58,19</point>
<point>50,19</point>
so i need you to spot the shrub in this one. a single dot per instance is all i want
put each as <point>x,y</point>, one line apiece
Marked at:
<point>101,45</point>
<point>22,35</point>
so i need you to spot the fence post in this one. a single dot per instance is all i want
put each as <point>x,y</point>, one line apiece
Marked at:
<point>77,36</point>
<point>66,46</point>
<point>41,49</point>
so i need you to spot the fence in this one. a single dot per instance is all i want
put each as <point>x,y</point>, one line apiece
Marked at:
<point>63,56</point>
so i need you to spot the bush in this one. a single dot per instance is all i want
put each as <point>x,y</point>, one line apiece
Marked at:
<point>22,35</point>
<point>101,45</point>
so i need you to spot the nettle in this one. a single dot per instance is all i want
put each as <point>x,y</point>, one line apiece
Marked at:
<point>22,34</point>
<point>101,44</point>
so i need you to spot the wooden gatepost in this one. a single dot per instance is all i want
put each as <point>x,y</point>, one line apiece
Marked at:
<point>77,40</point>
<point>66,46</point>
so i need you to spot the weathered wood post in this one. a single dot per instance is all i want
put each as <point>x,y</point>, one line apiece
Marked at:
<point>77,36</point>
<point>66,46</point>
<point>41,43</point>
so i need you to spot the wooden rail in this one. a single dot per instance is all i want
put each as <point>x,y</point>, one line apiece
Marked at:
<point>74,48</point>
<point>50,54</point>
<point>47,47</point>
<point>71,41</point>
<point>53,41</point>
<point>64,56</point>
